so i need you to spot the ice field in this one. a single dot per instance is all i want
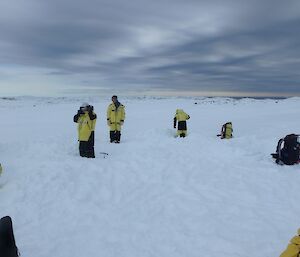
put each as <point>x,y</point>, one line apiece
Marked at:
<point>154,195</point>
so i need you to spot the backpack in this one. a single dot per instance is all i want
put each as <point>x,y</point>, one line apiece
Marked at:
<point>8,246</point>
<point>226,131</point>
<point>288,150</point>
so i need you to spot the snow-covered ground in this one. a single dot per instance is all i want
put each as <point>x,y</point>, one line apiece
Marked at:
<point>154,195</point>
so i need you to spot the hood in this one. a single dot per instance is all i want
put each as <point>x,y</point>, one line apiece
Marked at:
<point>179,111</point>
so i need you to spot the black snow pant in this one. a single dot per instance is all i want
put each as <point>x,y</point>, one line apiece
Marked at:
<point>115,136</point>
<point>8,246</point>
<point>182,127</point>
<point>86,148</point>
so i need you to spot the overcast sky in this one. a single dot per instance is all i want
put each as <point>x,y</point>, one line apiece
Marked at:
<point>226,47</point>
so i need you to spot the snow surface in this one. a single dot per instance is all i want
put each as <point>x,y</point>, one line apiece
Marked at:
<point>154,195</point>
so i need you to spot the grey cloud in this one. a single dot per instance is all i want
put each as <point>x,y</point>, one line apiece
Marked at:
<point>250,46</point>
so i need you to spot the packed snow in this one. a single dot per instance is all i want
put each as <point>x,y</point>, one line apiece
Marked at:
<point>154,195</point>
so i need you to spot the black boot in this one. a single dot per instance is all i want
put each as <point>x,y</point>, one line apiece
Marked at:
<point>112,135</point>
<point>118,137</point>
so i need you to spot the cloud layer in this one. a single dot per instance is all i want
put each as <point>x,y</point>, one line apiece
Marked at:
<point>216,46</point>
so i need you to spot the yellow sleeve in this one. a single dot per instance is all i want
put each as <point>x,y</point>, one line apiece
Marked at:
<point>291,251</point>
<point>123,114</point>
<point>108,112</point>
<point>94,124</point>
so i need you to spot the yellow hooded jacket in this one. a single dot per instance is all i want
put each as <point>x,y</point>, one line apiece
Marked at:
<point>115,116</point>
<point>85,126</point>
<point>181,115</point>
<point>293,249</point>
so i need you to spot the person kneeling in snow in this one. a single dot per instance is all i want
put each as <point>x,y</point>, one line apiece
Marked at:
<point>226,131</point>
<point>86,119</point>
<point>293,249</point>
<point>181,117</point>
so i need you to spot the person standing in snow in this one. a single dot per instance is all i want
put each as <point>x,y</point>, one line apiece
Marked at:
<point>181,117</point>
<point>115,119</point>
<point>293,249</point>
<point>86,119</point>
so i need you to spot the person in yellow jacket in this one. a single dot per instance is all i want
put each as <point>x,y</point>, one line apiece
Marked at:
<point>181,117</point>
<point>115,119</point>
<point>293,249</point>
<point>86,119</point>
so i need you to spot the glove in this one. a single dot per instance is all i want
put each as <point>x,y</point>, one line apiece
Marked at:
<point>80,112</point>
<point>122,122</point>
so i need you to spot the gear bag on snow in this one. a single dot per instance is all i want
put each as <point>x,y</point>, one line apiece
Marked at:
<point>226,131</point>
<point>8,246</point>
<point>288,150</point>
